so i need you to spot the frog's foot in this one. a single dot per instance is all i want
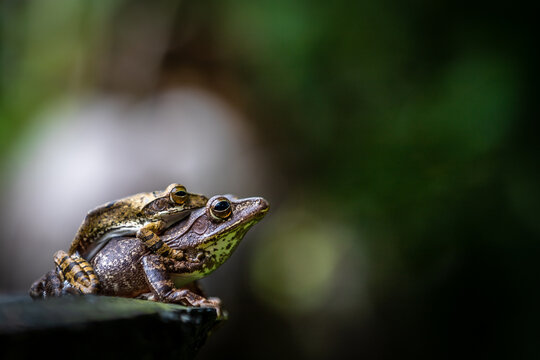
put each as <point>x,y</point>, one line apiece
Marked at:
<point>148,235</point>
<point>50,284</point>
<point>77,272</point>
<point>185,297</point>
<point>189,298</point>
<point>164,290</point>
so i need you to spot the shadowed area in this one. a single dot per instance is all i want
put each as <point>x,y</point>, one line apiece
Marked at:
<point>93,327</point>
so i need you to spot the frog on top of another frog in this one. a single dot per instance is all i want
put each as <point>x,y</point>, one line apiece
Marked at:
<point>144,215</point>
<point>207,238</point>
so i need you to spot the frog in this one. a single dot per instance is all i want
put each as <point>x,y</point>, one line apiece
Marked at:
<point>144,215</point>
<point>207,237</point>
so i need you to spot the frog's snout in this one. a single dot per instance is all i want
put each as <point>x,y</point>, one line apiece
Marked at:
<point>262,206</point>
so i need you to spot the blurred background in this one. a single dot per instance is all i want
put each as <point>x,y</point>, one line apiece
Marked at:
<point>396,142</point>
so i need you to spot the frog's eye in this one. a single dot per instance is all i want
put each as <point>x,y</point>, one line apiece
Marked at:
<point>178,195</point>
<point>221,208</point>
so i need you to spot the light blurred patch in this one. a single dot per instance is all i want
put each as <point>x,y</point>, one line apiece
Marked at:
<point>88,151</point>
<point>307,262</point>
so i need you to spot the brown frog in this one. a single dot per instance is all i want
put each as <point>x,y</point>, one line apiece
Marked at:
<point>126,267</point>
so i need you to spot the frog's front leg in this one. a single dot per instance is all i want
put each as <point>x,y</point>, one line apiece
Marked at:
<point>148,234</point>
<point>162,287</point>
<point>77,271</point>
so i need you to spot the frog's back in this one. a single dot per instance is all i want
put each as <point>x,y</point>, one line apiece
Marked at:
<point>123,216</point>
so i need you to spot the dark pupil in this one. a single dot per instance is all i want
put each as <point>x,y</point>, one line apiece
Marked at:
<point>222,206</point>
<point>180,193</point>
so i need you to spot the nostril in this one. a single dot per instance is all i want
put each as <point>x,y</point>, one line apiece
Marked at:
<point>263,204</point>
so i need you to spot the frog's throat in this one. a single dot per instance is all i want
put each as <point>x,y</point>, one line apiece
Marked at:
<point>220,247</point>
<point>217,249</point>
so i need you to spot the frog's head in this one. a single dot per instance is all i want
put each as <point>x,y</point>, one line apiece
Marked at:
<point>173,204</point>
<point>211,234</point>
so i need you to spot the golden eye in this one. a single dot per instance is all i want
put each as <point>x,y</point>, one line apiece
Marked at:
<point>178,194</point>
<point>221,208</point>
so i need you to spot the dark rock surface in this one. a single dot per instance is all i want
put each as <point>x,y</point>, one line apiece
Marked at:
<point>101,327</point>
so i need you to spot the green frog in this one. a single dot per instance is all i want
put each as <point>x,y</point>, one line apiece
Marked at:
<point>144,215</point>
<point>126,267</point>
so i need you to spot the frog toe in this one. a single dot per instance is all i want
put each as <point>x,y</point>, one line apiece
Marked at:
<point>214,303</point>
<point>49,285</point>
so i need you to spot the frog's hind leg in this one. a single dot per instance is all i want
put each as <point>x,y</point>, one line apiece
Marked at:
<point>77,272</point>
